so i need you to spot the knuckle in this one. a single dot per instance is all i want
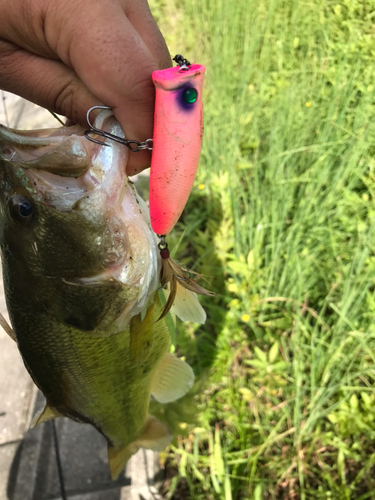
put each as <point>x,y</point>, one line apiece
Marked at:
<point>142,91</point>
<point>64,101</point>
<point>7,51</point>
<point>10,65</point>
<point>61,26</point>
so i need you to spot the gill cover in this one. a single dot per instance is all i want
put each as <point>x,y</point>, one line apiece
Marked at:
<point>177,142</point>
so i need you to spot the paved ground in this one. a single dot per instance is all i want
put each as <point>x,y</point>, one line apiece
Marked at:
<point>19,113</point>
<point>28,467</point>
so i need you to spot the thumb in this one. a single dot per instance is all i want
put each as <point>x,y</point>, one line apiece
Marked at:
<point>113,62</point>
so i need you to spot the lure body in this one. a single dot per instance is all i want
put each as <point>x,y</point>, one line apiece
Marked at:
<point>177,142</point>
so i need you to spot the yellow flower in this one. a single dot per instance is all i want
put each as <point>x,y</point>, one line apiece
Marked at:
<point>201,186</point>
<point>245,317</point>
<point>308,104</point>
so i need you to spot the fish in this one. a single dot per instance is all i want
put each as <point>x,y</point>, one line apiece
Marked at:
<point>81,270</point>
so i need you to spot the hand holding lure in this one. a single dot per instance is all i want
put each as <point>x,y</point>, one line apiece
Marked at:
<point>176,147</point>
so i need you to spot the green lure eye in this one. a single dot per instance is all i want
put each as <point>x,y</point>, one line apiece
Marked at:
<point>190,95</point>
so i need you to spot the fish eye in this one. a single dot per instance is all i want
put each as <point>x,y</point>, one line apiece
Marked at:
<point>21,209</point>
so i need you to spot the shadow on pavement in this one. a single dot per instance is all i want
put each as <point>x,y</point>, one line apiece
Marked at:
<point>83,452</point>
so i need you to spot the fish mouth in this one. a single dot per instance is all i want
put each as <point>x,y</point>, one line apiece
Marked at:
<point>63,166</point>
<point>51,150</point>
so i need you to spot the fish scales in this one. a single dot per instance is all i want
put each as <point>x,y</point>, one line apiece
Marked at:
<point>102,391</point>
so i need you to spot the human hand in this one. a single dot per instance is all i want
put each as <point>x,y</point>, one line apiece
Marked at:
<point>70,55</point>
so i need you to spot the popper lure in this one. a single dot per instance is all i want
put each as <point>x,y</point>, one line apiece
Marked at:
<point>176,146</point>
<point>178,134</point>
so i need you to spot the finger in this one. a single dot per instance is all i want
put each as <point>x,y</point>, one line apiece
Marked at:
<point>21,23</point>
<point>42,81</point>
<point>139,14</point>
<point>113,61</point>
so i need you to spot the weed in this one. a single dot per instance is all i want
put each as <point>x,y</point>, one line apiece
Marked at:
<point>282,219</point>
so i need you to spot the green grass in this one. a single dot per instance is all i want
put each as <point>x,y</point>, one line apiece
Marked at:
<point>285,227</point>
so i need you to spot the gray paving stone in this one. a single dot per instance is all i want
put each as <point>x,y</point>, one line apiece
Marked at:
<point>143,469</point>
<point>114,494</point>
<point>33,474</point>
<point>23,114</point>
<point>24,477</point>
<point>16,393</point>
<point>84,463</point>
<point>16,386</point>
<point>7,455</point>
<point>83,454</point>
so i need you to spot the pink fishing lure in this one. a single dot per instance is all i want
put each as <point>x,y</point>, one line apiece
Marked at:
<point>177,142</point>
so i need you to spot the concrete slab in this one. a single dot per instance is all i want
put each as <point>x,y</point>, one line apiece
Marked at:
<point>33,473</point>
<point>83,453</point>
<point>143,469</point>
<point>114,494</point>
<point>7,455</point>
<point>16,389</point>
<point>16,386</point>
<point>16,112</point>
<point>24,476</point>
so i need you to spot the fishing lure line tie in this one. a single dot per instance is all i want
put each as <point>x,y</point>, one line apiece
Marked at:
<point>133,144</point>
<point>182,62</point>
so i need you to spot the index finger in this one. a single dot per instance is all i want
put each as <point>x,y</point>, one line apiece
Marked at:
<point>107,53</point>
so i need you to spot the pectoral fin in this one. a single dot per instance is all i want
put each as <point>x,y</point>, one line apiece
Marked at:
<point>154,436</point>
<point>172,379</point>
<point>187,307</point>
<point>44,415</point>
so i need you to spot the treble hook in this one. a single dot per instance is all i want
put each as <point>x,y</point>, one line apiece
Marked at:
<point>139,146</point>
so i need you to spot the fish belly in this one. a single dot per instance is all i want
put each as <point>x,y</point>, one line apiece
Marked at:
<point>103,381</point>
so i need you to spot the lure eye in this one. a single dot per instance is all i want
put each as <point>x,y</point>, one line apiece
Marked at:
<point>190,95</point>
<point>21,209</point>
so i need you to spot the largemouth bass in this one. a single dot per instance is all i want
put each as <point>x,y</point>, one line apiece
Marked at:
<point>81,270</point>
